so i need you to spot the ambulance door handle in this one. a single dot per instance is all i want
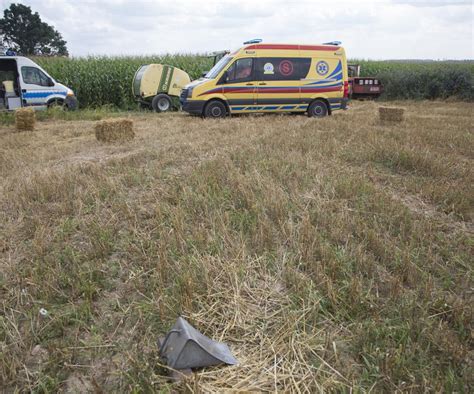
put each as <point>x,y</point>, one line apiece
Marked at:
<point>249,84</point>
<point>262,83</point>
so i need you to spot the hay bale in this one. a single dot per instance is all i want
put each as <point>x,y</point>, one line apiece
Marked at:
<point>25,119</point>
<point>114,130</point>
<point>391,114</point>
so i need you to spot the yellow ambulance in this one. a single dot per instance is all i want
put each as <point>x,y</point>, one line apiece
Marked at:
<point>262,77</point>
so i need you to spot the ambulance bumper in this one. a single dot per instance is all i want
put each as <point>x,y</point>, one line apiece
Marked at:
<point>194,107</point>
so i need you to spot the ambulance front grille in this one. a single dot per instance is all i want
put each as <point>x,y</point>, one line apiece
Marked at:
<point>183,96</point>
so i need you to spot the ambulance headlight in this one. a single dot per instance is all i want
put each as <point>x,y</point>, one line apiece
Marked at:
<point>69,93</point>
<point>190,92</point>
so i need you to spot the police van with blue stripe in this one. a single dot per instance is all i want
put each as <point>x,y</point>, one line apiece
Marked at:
<point>23,83</point>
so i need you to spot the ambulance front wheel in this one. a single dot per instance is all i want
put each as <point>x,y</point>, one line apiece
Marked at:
<point>215,109</point>
<point>317,109</point>
<point>161,103</point>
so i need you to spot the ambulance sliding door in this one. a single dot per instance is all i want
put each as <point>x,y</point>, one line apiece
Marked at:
<point>278,82</point>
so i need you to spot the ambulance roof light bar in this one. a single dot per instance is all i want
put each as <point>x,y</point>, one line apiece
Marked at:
<point>254,41</point>
<point>336,43</point>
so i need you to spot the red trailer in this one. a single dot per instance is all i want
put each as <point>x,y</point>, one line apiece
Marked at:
<point>363,87</point>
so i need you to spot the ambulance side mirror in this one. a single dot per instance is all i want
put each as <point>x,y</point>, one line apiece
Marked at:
<point>204,74</point>
<point>50,82</point>
<point>224,78</point>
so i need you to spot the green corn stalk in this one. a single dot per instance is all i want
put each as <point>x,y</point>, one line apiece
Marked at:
<point>106,81</point>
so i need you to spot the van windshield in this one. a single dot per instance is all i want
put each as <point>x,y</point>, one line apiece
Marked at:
<point>218,67</point>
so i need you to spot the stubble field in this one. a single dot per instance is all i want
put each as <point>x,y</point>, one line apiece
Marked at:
<point>329,254</point>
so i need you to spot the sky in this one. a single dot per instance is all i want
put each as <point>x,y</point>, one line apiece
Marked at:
<point>368,29</point>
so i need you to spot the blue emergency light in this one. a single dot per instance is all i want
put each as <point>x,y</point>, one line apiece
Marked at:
<point>254,41</point>
<point>337,43</point>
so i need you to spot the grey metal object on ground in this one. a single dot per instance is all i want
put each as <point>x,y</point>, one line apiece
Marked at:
<point>185,347</point>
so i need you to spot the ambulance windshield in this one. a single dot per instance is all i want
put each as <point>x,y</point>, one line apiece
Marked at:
<point>218,67</point>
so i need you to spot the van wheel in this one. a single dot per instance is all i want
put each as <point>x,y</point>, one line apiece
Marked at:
<point>215,109</point>
<point>57,104</point>
<point>161,103</point>
<point>317,109</point>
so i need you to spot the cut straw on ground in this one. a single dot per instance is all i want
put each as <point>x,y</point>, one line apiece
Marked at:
<point>329,254</point>
<point>271,359</point>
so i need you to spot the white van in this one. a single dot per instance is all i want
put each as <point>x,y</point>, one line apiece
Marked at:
<point>25,84</point>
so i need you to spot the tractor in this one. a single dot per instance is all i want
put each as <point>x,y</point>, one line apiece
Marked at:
<point>363,88</point>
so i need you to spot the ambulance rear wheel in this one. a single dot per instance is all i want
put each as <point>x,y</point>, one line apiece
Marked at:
<point>317,109</point>
<point>161,103</point>
<point>215,109</point>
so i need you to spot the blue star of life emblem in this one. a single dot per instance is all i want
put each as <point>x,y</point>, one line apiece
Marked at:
<point>322,68</point>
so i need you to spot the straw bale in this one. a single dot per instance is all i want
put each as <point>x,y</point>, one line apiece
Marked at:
<point>25,119</point>
<point>114,130</point>
<point>391,114</point>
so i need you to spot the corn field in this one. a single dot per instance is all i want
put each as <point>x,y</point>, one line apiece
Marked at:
<point>423,79</point>
<point>106,81</point>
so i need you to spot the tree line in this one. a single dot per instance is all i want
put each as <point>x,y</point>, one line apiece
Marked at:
<point>24,33</point>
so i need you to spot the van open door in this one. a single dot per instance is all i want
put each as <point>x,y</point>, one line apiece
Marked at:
<point>10,93</point>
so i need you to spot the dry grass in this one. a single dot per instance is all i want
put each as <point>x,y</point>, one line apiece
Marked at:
<point>25,119</point>
<point>329,254</point>
<point>114,130</point>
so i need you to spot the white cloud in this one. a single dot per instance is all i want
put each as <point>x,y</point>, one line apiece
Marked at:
<point>433,3</point>
<point>378,29</point>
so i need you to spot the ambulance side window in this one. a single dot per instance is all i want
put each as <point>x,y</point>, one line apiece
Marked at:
<point>240,71</point>
<point>282,69</point>
<point>34,76</point>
